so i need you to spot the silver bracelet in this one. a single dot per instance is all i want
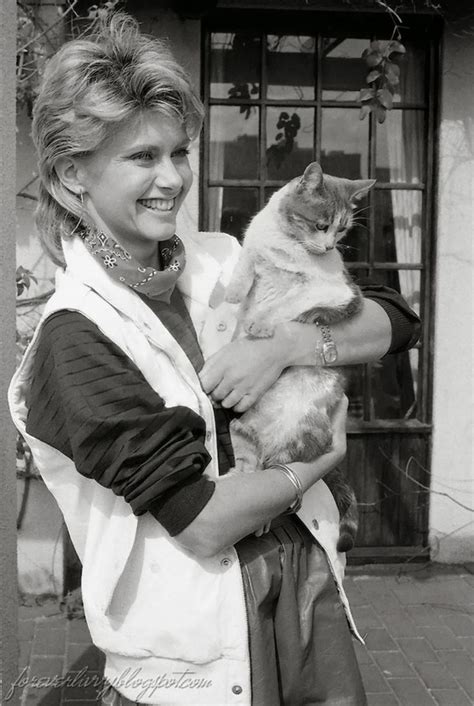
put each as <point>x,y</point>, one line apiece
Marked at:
<point>291,475</point>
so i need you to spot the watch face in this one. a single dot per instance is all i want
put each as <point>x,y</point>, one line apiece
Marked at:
<point>330,352</point>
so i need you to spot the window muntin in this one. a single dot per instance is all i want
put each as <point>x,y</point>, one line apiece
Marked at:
<point>301,104</point>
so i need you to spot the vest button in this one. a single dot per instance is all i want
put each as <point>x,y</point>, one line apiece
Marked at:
<point>221,326</point>
<point>208,435</point>
<point>226,562</point>
<point>237,689</point>
<point>315,524</point>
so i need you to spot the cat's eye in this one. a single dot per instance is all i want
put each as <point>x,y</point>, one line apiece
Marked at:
<point>341,229</point>
<point>321,226</point>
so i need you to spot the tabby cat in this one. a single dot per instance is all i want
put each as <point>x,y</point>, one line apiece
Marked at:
<point>291,270</point>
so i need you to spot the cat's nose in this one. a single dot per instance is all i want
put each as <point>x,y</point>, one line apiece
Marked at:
<point>329,247</point>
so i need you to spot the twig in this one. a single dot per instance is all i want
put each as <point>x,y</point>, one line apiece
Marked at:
<point>422,485</point>
<point>50,27</point>
<point>390,10</point>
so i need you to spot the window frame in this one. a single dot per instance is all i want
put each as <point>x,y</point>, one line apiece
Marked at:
<point>357,24</point>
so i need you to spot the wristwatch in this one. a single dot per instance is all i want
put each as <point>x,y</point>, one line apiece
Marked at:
<point>326,351</point>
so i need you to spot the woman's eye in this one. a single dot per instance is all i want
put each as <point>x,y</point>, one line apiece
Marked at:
<point>143,156</point>
<point>183,152</point>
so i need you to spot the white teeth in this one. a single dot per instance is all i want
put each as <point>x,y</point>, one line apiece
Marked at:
<point>158,204</point>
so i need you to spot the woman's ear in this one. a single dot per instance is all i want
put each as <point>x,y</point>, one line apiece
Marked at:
<point>68,172</point>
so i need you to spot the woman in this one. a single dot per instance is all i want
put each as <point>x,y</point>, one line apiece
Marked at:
<point>190,601</point>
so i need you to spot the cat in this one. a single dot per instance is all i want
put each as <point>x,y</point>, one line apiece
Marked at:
<point>291,270</point>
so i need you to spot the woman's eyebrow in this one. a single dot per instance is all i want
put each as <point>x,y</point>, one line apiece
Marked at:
<point>145,147</point>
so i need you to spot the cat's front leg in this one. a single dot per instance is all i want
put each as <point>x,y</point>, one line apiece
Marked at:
<point>242,279</point>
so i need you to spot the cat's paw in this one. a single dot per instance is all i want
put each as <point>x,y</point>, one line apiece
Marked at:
<point>258,329</point>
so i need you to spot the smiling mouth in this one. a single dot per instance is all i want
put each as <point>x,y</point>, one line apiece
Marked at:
<point>157,204</point>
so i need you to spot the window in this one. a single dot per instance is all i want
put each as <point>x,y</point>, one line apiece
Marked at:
<point>277,101</point>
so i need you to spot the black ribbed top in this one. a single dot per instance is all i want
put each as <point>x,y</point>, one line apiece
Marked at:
<point>90,401</point>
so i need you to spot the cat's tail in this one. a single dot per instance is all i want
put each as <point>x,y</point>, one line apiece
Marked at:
<point>348,528</point>
<point>242,279</point>
<point>346,502</point>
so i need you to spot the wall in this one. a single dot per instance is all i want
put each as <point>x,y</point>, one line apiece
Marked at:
<point>8,587</point>
<point>451,525</point>
<point>184,38</point>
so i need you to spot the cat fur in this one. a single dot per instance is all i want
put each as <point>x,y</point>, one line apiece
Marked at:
<point>291,270</point>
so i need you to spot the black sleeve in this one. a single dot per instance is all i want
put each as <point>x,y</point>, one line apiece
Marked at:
<point>405,323</point>
<point>89,401</point>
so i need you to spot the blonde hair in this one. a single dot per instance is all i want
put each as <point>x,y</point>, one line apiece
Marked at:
<point>89,87</point>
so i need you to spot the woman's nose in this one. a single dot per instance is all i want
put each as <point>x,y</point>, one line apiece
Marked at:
<point>168,177</point>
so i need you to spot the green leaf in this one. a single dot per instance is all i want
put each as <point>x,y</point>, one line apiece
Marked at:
<point>397,47</point>
<point>366,94</point>
<point>365,110</point>
<point>373,59</point>
<point>373,75</point>
<point>385,98</point>
<point>392,73</point>
<point>380,113</point>
<point>375,45</point>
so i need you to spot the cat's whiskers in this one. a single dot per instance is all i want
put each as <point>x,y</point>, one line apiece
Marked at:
<point>360,210</point>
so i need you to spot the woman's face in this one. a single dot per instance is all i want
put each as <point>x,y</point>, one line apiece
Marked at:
<point>135,183</point>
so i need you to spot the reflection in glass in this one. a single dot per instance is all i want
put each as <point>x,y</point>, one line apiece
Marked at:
<point>290,67</point>
<point>235,65</point>
<point>234,145</point>
<point>345,141</point>
<point>398,221</point>
<point>342,68</point>
<point>394,386</point>
<point>231,208</point>
<point>290,140</point>
<point>400,147</point>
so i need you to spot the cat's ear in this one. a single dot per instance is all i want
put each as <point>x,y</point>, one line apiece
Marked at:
<point>358,188</point>
<point>312,179</point>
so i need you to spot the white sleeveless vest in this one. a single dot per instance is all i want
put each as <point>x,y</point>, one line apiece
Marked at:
<point>173,626</point>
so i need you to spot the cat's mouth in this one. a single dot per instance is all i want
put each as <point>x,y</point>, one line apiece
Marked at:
<point>315,249</point>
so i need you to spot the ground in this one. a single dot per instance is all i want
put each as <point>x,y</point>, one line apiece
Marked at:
<point>417,621</point>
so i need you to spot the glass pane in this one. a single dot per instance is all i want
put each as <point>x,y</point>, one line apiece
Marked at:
<point>398,219</point>
<point>400,142</point>
<point>231,208</point>
<point>290,67</point>
<point>355,246</point>
<point>394,386</point>
<point>269,192</point>
<point>411,88</point>
<point>235,65</point>
<point>344,143</point>
<point>343,71</point>
<point>234,148</point>
<point>355,391</point>
<point>290,139</point>
<point>407,282</point>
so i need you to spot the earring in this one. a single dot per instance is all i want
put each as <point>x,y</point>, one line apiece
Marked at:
<point>79,222</point>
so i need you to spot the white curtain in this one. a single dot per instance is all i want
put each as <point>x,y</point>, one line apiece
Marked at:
<point>405,143</point>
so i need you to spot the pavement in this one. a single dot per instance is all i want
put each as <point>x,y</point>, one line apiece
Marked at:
<point>417,620</point>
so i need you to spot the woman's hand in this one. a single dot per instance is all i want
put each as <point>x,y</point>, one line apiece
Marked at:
<point>240,372</point>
